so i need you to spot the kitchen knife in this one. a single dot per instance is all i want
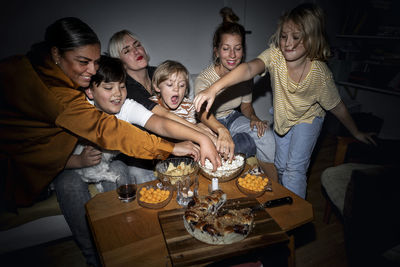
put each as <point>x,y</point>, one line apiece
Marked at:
<point>273,203</point>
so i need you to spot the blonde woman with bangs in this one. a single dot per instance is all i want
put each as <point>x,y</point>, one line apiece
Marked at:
<point>303,89</point>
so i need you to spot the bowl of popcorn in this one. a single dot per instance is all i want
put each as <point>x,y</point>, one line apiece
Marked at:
<point>173,170</point>
<point>253,185</point>
<point>154,197</point>
<point>227,171</point>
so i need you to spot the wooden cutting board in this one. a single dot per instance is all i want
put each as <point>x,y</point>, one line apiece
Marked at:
<point>186,250</point>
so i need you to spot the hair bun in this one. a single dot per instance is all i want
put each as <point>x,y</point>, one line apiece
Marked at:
<point>228,15</point>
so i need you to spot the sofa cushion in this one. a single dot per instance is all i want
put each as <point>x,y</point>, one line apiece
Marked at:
<point>44,208</point>
<point>47,207</point>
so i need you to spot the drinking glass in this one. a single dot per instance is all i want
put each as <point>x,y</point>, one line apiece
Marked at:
<point>183,193</point>
<point>126,188</point>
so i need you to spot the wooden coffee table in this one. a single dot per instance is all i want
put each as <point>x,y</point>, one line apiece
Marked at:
<point>128,235</point>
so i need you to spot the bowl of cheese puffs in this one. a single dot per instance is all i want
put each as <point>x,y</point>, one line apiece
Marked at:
<point>253,185</point>
<point>154,197</point>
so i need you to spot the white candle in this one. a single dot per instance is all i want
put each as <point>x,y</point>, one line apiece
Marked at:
<point>214,184</point>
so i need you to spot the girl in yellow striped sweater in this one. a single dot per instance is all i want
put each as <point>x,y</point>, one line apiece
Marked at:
<point>303,89</point>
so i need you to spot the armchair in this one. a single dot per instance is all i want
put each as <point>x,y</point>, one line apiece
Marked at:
<point>362,189</point>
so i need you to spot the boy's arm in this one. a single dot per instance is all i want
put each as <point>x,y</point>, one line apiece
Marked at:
<point>163,112</point>
<point>172,129</point>
<point>243,72</point>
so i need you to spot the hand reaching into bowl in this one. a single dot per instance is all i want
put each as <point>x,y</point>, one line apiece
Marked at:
<point>186,148</point>
<point>205,151</point>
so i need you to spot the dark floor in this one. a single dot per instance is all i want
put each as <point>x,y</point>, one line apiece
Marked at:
<point>317,244</point>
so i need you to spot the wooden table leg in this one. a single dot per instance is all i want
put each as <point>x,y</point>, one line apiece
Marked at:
<point>291,259</point>
<point>341,148</point>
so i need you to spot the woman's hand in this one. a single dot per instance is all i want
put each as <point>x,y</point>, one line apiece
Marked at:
<point>208,150</point>
<point>90,156</point>
<point>225,144</point>
<point>260,125</point>
<point>208,95</point>
<point>248,111</point>
<point>186,148</point>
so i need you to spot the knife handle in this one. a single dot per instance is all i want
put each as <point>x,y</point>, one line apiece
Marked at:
<point>278,202</point>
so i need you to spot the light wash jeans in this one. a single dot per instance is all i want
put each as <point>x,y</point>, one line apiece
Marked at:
<point>246,139</point>
<point>72,195</point>
<point>142,175</point>
<point>293,154</point>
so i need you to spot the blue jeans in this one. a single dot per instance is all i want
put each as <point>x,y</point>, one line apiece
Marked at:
<point>293,154</point>
<point>246,139</point>
<point>72,195</point>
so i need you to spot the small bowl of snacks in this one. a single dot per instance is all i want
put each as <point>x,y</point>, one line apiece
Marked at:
<point>173,170</point>
<point>253,185</point>
<point>154,197</point>
<point>227,171</point>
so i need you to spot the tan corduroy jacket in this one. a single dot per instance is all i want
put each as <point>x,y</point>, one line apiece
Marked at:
<point>42,115</point>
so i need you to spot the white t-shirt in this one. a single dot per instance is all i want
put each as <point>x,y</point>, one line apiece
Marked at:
<point>132,112</point>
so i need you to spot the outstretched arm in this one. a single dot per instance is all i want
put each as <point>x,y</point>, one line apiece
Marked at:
<point>186,148</point>
<point>172,129</point>
<point>163,112</point>
<point>225,144</point>
<point>243,72</point>
<point>341,112</point>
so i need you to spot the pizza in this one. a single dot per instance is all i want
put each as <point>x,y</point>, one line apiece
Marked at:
<point>206,221</point>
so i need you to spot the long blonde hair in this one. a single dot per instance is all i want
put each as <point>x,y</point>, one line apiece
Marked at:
<point>311,20</point>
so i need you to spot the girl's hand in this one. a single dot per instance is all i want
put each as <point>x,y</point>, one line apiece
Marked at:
<point>204,96</point>
<point>365,138</point>
<point>90,156</point>
<point>186,148</point>
<point>225,144</point>
<point>261,126</point>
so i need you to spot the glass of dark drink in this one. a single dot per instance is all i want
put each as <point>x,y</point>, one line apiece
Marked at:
<point>126,188</point>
